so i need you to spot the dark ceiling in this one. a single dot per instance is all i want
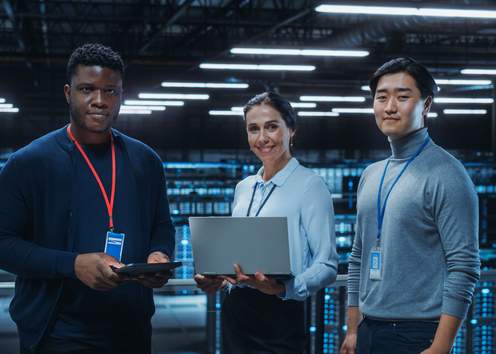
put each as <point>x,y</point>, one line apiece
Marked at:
<point>167,40</point>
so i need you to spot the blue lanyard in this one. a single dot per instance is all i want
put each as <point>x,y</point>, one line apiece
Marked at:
<point>381,211</point>
<point>263,203</point>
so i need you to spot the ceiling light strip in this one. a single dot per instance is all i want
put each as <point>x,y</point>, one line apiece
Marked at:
<point>173,96</point>
<point>333,98</point>
<point>225,113</point>
<point>301,52</point>
<point>205,85</point>
<point>465,111</point>
<point>405,11</point>
<point>478,71</point>
<point>153,103</point>
<point>354,110</point>
<point>317,114</point>
<point>9,110</point>
<point>262,67</point>
<point>463,100</point>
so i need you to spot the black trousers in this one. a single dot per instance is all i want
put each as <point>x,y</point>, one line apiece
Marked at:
<point>256,323</point>
<point>130,343</point>
<point>395,337</point>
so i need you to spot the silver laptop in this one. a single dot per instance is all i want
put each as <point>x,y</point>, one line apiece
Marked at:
<point>257,244</point>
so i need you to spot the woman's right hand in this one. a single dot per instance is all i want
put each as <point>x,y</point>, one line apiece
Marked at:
<point>209,284</point>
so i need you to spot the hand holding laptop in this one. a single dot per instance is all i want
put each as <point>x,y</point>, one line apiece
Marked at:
<point>210,284</point>
<point>259,281</point>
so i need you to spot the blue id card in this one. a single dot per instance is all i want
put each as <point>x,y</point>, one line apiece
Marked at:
<point>114,245</point>
<point>375,263</point>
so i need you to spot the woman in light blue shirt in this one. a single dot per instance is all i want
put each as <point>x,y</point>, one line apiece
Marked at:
<point>261,314</point>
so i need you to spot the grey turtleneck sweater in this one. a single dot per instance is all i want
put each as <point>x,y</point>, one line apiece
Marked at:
<point>429,236</point>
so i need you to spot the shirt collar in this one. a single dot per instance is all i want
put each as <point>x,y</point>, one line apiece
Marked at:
<point>280,178</point>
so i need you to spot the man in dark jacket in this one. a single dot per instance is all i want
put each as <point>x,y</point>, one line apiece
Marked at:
<point>75,203</point>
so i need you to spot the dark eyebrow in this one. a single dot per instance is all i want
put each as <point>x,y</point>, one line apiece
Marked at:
<point>272,121</point>
<point>398,89</point>
<point>403,89</point>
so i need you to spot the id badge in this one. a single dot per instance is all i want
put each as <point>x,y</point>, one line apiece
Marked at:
<point>375,263</point>
<point>114,245</point>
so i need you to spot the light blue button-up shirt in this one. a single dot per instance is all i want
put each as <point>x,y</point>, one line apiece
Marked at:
<point>301,196</point>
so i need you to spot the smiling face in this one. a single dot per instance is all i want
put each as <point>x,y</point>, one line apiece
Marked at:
<point>398,106</point>
<point>94,98</point>
<point>268,135</point>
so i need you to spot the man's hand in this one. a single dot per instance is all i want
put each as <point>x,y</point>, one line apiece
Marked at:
<point>350,341</point>
<point>156,280</point>
<point>209,284</point>
<point>93,269</point>
<point>258,281</point>
<point>349,344</point>
<point>445,335</point>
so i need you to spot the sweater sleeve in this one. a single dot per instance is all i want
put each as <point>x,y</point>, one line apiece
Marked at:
<point>317,217</point>
<point>355,260</point>
<point>456,213</point>
<point>18,254</point>
<point>163,232</point>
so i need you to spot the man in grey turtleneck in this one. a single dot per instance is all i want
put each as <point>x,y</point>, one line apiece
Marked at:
<point>415,258</point>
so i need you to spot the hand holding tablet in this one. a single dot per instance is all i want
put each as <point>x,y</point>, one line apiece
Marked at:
<point>136,269</point>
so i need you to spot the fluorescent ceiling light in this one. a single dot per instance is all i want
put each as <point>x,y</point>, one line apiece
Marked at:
<point>173,96</point>
<point>465,111</point>
<point>301,52</point>
<point>303,104</point>
<point>462,82</point>
<point>457,13</point>
<point>432,115</point>
<point>135,111</point>
<point>2,100</point>
<point>293,104</point>
<point>478,71</point>
<point>264,67</point>
<point>333,98</point>
<point>367,10</point>
<point>463,100</point>
<point>153,103</point>
<point>365,88</point>
<point>225,113</point>
<point>151,108</point>
<point>6,105</point>
<point>354,110</point>
<point>9,110</point>
<point>205,85</point>
<point>317,114</point>
<point>405,11</point>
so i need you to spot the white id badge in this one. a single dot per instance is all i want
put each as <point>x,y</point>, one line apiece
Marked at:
<point>375,263</point>
<point>114,245</point>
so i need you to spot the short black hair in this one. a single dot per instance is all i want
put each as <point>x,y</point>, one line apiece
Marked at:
<point>424,80</point>
<point>276,101</point>
<point>94,54</point>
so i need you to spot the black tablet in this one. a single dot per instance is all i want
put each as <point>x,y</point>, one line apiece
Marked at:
<point>135,269</point>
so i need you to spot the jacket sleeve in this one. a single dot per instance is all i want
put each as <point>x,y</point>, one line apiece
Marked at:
<point>18,254</point>
<point>163,237</point>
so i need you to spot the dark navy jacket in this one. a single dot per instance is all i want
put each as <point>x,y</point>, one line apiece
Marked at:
<point>36,226</point>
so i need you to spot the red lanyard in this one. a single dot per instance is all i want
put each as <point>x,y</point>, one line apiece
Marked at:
<point>109,204</point>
